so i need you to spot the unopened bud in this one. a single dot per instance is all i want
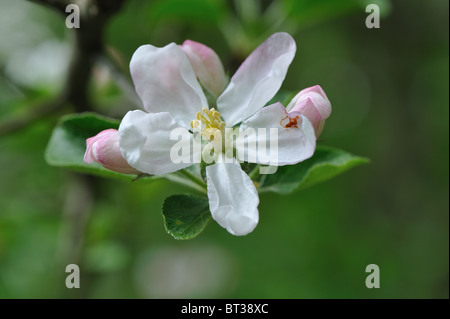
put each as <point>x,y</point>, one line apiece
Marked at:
<point>104,148</point>
<point>313,103</point>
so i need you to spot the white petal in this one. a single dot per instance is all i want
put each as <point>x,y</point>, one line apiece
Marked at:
<point>145,142</point>
<point>207,66</point>
<point>258,79</point>
<point>294,138</point>
<point>233,199</point>
<point>165,82</point>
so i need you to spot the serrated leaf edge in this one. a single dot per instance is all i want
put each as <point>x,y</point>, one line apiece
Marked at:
<point>174,235</point>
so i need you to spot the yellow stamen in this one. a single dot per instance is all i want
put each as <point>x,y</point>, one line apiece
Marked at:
<point>209,124</point>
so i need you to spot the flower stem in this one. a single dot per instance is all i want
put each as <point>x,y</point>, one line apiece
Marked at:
<point>192,178</point>
<point>254,173</point>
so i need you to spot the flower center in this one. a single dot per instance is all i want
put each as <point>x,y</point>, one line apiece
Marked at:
<point>208,124</point>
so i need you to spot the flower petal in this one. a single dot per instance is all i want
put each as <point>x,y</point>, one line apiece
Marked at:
<point>306,107</point>
<point>103,148</point>
<point>314,104</point>
<point>207,66</point>
<point>89,157</point>
<point>258,79</point>
<point>145,142</point>
<point>165,82</point>
<point>294,140</point>
<point>317,96</point>
<point>233,199</point>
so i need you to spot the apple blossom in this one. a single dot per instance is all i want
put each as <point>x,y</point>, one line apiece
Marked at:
<point>104,148</point>
<point>313,103</point>
<point>166,81</point>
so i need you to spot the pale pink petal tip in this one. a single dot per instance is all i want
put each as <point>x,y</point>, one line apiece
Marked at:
<point>207,66</point>
<point>313,103</point>
<point>104,149</point>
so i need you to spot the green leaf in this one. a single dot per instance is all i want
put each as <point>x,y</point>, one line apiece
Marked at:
<point>326,163</point>
<point>185,216</point>
<point>67,144</point>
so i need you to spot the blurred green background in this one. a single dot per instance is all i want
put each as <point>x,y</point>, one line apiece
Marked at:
<point>390,97</point>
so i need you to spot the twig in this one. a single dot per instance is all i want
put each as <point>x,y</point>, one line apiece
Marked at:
<point>77,207</point>
<point>80,197</point>
<point>36,113</point>
<point>87,46</point>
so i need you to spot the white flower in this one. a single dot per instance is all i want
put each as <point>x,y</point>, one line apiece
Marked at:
<point>166,83</point>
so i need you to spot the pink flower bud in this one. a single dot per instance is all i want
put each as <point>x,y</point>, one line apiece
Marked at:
<point>207,66</point>
<point>104,148</point>
<point>313,103</point>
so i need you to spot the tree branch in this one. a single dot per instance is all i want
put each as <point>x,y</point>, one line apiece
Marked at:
<point>87,46</point>
<point>38,112</point>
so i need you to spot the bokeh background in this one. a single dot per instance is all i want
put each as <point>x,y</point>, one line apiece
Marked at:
<point>390,97</point>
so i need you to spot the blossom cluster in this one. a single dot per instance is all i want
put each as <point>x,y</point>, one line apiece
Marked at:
<point>172,81</point>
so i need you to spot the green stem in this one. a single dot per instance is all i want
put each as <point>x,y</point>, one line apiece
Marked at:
<point>192,178</point>
<point>254,172</point>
